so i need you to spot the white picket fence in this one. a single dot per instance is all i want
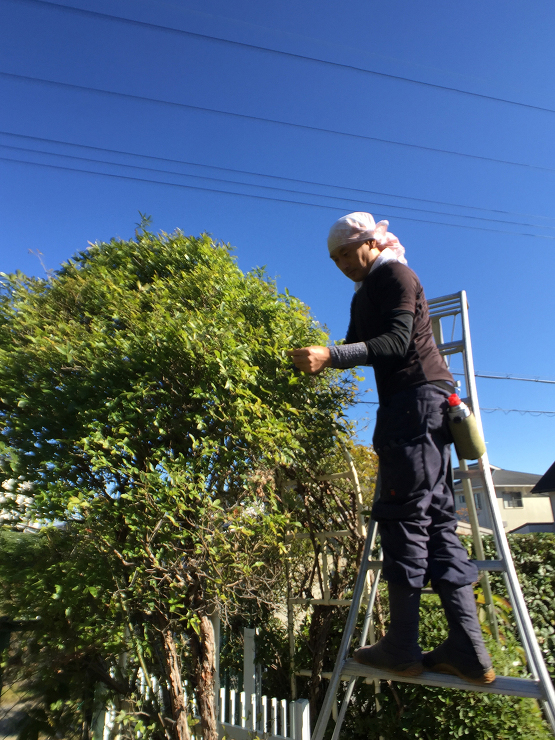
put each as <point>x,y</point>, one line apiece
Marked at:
<point>243,717</point>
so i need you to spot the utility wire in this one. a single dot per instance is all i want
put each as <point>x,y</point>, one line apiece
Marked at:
<point>260,197</point>
<point>522,412</point>
<point>508,377</point>
<point>244,116</point>
<point>487,410</point>
<point>270,187</point>
<point>281,178</point>
<point>291,55</point>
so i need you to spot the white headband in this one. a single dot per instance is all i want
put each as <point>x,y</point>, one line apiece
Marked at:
<point>361,227</point>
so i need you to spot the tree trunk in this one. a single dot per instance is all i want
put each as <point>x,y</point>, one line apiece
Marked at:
<point>86,725</point>
<point>87,708</point>
<point>177,695</point>
<point>205,671</point>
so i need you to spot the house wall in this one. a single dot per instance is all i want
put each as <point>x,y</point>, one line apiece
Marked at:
<point>484,519</point>
<point>535,508</point>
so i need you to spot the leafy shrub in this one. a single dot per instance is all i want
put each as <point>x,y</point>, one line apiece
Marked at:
<point>147,411</point>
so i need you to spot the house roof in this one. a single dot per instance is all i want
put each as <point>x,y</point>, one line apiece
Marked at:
<point>546,483</point>
<point>514,478</point>
<point>507,477</point>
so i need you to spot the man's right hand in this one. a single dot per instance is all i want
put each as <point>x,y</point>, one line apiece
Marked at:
<point>311,360</point>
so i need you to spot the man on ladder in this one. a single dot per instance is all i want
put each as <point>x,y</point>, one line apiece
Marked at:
<point>390,329</point>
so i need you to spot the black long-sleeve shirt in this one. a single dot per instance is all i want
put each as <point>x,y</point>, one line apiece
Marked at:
<point>390,328</point>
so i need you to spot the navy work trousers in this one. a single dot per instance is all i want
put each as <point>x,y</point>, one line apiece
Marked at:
<point>415,506</point>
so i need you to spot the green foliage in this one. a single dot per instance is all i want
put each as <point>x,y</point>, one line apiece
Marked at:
<point>411,711</point>
<point>318,504</point>
<point>146,408</point>
<point>534,558</point>
<point>429,713</point>
<point>56,659</point>
<point>436,714</point>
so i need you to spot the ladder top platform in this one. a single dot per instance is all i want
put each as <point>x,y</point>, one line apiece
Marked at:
<point>525,687</point>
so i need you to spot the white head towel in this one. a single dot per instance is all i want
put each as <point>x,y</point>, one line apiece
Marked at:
<point>360,227</point>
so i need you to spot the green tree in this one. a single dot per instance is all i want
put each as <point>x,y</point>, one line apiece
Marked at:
<point>148,414</point>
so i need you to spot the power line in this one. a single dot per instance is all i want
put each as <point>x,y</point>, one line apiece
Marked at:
<point>261,119</point>
<point>269,187</point>
<point>291,55</point>
<point>522,412</point>
<point>258,197</point>
<point>509,377</point>
<point>287,179</point>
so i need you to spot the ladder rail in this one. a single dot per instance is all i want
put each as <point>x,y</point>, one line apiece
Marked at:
<point>440,308</point>
<point>350,624</point>
<point>362,643</point>
<point>500,538</point>
<point>479,549</point>
<point>535,659</point>
<point>536,663</point>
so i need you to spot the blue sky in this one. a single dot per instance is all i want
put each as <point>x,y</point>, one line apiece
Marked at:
<point>466,181</point>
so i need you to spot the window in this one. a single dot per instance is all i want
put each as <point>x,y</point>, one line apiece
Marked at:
<point>477,500</point>
<point>512,500</point>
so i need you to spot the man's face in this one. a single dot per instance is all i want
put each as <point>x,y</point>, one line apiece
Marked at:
<point>355,260</point>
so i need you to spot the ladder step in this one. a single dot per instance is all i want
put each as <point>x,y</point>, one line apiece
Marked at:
<point>442,312</point>
<point>525,687</point>
<point>492,565</point>
<point>445,303</point>
<point>451,348</point>
<point>468,474</point>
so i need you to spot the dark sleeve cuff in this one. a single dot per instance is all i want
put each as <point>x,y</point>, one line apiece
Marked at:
<point>349,355</point>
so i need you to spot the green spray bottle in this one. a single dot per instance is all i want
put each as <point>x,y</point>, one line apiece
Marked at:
<point>464,429</point>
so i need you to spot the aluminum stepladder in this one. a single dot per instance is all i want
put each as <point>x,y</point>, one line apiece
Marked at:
<point>539,686</point>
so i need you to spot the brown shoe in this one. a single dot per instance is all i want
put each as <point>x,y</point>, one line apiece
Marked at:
<point>387,657</point>
<point>463,653</point>
<point>446,660</point>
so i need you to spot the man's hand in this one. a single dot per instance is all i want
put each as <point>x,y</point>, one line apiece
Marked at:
<point>311,360</point>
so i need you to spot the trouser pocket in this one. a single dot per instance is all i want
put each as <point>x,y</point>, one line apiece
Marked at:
<point>403,479</point>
